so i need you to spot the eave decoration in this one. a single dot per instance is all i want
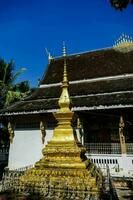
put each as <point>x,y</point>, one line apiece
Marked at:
<point>43,131</point>
<point>10,131</point>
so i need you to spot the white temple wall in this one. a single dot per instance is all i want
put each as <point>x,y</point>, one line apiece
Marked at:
<point>27,147</point>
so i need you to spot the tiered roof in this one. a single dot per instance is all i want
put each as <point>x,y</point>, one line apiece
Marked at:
<point>99,79</point>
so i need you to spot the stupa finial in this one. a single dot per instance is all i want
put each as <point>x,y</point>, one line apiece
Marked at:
<point>64,49</point>
<point>65,80</point>
<point>64,100</point>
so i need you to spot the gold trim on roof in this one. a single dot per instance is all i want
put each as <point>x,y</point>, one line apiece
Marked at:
<point>124,40</point>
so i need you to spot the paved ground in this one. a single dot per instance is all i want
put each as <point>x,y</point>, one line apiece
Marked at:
<point>124,192</point>
<point>8,197</point>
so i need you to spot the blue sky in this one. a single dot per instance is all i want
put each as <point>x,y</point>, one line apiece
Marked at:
<point>27,27</point>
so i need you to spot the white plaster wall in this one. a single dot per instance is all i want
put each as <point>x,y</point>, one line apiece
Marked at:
<point>27,147</point>
<point>126,161</point>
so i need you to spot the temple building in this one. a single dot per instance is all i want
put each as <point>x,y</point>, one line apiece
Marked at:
<point>101,92</point>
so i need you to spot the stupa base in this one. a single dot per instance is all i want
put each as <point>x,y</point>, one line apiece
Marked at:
<point>63,182</point>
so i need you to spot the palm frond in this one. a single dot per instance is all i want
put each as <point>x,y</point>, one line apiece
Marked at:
<point>18,73</point>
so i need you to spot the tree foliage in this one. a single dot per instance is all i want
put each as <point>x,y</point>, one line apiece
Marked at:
<point>120,4</point>
<point>9,91</point>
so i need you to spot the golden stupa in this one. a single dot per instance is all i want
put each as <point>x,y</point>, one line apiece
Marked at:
<point>64,168</point>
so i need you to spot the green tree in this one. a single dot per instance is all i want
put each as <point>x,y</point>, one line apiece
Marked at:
<point>9,91</point>
<point>120,4</point>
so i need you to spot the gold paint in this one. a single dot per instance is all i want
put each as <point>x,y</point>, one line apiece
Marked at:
<point>124,43</point>
<point>64,164</point>
<point>79,125</point>
<point>122,136</point>
<point>10,131</point>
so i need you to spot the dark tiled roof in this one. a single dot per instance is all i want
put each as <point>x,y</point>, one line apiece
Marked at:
<point>33,105</point>
<point>104,92</point>
<point>106,62</point>
<point>85,88</point>
<point>91,102</point>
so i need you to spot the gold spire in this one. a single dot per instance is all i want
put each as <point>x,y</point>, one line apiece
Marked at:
<point>64,100</point>
<point>64,49</point>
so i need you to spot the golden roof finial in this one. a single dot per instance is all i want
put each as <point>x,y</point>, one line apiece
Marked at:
<point>123,40</point>
<point>124,43</point>
<point>64,100</point>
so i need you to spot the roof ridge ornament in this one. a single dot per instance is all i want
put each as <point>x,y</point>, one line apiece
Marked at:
<point>124,43</point>
<point>124,39</point>
<point>49,55</point>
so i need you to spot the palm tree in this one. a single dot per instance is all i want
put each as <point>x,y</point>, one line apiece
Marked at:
<point>120,4</point>
<point>9,91</point>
